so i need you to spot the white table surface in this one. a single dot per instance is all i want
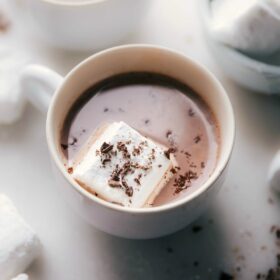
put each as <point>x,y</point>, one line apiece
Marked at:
<point>242,216</point>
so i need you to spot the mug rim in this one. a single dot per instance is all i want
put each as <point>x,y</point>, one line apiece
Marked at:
<point>161,208</point>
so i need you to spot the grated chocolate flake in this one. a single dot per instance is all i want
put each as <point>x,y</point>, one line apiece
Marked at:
<point>114,183</point>
<point>106,148</point>
<point>74,141</point>
<point>191,112</point>
<point>121,146</point>
<point>173,170</point>
<point>129,191</point>
<point>136,151</point>
<point>182,182</point>
<point>137,181</point>
<point>169,151</point>
<point>197,139</point>
<point>168,133</point>
<point>64,146</point>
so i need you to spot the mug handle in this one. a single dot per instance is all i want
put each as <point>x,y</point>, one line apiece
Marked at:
<point>38,84</point>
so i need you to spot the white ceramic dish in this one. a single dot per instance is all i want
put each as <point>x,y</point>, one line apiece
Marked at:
<point>251,73</point>
<point>83,25</point>
<point>39,83</point>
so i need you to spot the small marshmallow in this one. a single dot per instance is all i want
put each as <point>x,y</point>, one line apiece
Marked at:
<point>252,26</point>
<point>19,245</point>
<point>274,173</point>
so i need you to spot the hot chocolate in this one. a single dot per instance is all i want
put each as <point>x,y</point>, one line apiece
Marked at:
<point>160,108</point>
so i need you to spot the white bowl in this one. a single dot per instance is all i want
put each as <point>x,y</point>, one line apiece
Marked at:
<point>261,75</point>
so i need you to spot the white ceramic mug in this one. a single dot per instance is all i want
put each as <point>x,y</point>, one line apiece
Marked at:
<point>40,83</point>
<point>83,24</point>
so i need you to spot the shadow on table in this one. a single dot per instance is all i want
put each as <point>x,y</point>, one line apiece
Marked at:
<point>197,252</point>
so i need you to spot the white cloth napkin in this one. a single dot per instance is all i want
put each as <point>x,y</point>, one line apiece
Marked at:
<point>12,61</point>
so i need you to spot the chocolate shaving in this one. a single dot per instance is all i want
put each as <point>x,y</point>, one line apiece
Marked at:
<point>122,148</point>
<point>105,110</point>
<point>197,139</point>
<point>187,154</point>
<point>105,160</point>
<point>70,170</point>
<point>114,184</point>
<point>137,181</point>
<point>191,112</point>
<point>190,175</point>
<point>106,148</point>
<point>182,181</point>
<point>173,170</point>
<point>129,191</point>
<point>64,146</point>
<point>168,133</point>
<point>147,121</point>
<point>74,141</point>
<point>136,151</point>
<point>169,151</point>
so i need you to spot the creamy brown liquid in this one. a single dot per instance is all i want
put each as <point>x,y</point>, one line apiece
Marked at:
<point>160,108</point>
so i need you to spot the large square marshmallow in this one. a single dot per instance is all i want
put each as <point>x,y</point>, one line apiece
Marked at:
<point>19,244</point>
<point>121,166</point>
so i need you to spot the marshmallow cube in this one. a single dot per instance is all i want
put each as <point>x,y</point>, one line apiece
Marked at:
<point>19,244</point>
<point>252,26</point>
<point>122,166</point>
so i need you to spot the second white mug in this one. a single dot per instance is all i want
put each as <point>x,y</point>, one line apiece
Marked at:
<point>83,25</point>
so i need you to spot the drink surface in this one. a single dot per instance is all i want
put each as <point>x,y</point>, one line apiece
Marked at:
<point>160,108</point>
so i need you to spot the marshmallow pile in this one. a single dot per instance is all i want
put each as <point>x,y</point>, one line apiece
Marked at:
<point>19,245</point>
<point>252,26</point>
